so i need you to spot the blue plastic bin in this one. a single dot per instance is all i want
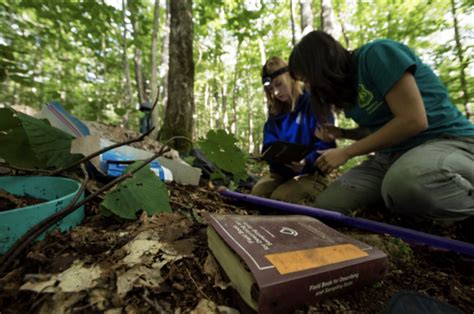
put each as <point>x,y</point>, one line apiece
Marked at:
<point>58,191</point>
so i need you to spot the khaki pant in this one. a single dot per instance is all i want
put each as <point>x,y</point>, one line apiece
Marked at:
<point>432,181</point>
<point>299,190</point>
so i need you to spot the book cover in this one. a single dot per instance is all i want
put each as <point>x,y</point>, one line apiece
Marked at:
<point>285,152</point>
<point>282,263</point>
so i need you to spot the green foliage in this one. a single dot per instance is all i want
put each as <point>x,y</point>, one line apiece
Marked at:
<point>347,124</point>
<point>398,249</point>
<point>144,191</point>
<point>219,147</point>
<point>27,142</point>
<point>72,51</point>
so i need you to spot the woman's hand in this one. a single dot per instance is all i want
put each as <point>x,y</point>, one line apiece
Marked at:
<point>297,167</point>
<point>328,132</point>
<point>330,159</point>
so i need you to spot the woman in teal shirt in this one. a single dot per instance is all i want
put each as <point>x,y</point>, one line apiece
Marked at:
<point>423,164</point>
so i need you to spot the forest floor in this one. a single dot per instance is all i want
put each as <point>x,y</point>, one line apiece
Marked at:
<point>182,276</point>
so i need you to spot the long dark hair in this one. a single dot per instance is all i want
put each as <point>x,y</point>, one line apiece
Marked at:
<point>330,70</point>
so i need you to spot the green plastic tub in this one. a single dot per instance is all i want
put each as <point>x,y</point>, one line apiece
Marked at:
<point>58,191</point>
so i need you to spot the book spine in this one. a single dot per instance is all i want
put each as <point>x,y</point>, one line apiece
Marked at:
<point>291,295</point>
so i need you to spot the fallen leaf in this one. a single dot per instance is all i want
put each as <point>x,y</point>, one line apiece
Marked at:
<point>79,277</point>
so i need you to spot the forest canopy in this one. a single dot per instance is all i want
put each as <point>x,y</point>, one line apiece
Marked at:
<point>103,59</point>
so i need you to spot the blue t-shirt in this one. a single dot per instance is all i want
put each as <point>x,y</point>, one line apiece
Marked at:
<point>380,64</point>
<point>297,126</point>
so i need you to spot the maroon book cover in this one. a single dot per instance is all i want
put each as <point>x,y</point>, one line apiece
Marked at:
<point>297,260</point>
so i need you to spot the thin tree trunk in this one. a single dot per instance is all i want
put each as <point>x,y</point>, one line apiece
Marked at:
<point>306,17</point>
<point>224,114</point>
<point>251,147</point>
<point>327,24</point>
<point>154,68</point>
<point>263,59</point>
<point>389,19</point>
<point>343,29</point>
<point>125,64</point>
<point>178,120</point>
<point>460,55</point>
<point>209,100</point>
<point>218,107</point>
<point>139,75</point>
<point>138,61</point>
<point>165,60</point>
<point>207,107</point>
<point>234,91</point>
<point>263,56</point>
<point>292,16</point>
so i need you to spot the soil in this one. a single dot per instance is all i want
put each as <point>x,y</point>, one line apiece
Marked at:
<point>9,201</point>
<point>93,269</point>
<point>190,283</point>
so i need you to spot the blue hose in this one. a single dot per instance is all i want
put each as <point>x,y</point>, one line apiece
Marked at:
<point>406,234</point>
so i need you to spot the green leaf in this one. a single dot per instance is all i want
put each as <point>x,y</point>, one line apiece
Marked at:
<point>143,191</point>
<point>220,148</point>
<point>29,142</point>
<point>120,111</point>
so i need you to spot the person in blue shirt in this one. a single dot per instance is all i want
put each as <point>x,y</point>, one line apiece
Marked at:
<point>423,166</point>
<point>290,120</point>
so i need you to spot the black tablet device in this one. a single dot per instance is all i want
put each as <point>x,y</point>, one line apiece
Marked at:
<point>285,152</point>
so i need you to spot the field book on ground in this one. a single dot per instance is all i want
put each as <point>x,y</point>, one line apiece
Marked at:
<point>285,152</point>
<point>282,263</point>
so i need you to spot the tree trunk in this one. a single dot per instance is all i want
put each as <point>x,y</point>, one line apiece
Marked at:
<point>389,21</point>
<point>165,60</point>
<point>234,91</point>
<point>462,64</point>
<point>154,70</point>
<point>224,115</point>
<point>264,59</point>
<point>218,107</point>
<point>306,17</point>
<point>211,108</point>
<point>178,120</point>
<point>327,24</point>
<point>292,16</point>
<point>139,75</point>
<point>210,105</point>
<point>341,20</point>
<point>138,61</point>
<point>251,144</point>
<point>126,66</point>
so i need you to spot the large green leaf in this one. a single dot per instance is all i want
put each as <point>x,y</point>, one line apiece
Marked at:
<point>32,143</point>
<point>143,191</point>
<point>220,148</point>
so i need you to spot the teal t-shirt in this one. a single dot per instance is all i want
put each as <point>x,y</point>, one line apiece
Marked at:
<point>380,64</point>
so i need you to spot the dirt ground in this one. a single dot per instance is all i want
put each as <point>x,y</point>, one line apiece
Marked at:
<point>94,268</point>
<point>193,281</point>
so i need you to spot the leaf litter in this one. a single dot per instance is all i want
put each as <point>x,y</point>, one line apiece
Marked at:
<point>161,264</point>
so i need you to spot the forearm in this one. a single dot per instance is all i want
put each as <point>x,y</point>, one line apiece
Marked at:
<point>392,133</point>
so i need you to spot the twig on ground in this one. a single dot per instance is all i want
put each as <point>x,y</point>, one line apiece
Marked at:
<point>6,165</point>
<point>35,231</point>
<point>197,286</point>
<point>12,198</point>
<point>152,303</point>
<point>82,160</point>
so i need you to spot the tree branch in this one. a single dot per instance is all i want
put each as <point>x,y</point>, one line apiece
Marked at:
<point>34,232</point>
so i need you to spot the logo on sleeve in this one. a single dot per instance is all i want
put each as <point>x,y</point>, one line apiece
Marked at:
<point>365,99</point>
